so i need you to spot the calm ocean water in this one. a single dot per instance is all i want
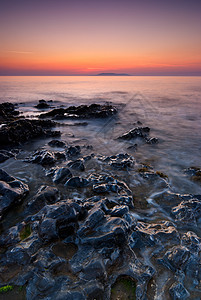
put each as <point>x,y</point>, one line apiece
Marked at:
<point>170,106</point>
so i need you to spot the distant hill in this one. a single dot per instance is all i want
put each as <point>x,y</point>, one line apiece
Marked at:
<point>112,74</point>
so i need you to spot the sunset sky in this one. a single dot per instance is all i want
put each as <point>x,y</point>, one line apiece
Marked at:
<point>86,37</point>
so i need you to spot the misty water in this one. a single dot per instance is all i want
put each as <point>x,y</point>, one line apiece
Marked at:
<point>170,106</point>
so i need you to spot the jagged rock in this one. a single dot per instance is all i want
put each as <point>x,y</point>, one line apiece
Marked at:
<point>73,151</point>
<point>153,234</point>
<point>191,241</point>
<point>12,191</point>
<point>76,182</point>
<point>57,143</point>
<point>95,269</point>
<point>61,175</point>
<point>152,141</point>
<point>7,112</point>
<point>138,132</point>
<point>47,230</point>
<point>176,258</point>
<point>194,173</point>
<point>4,155</point>
<point>45,195</point>
<point>43,157</point>
<point>81,112</point>
<point>21,131</point>
<point>188,211</point>
<point>178,291</point>
<point>77,165</point>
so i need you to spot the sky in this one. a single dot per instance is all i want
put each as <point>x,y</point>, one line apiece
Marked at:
<point>87,37</point>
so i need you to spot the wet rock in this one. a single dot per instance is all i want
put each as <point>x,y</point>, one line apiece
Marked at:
<point>17,255</point>
<point>43,157</point>
<point>77,165</point>
<point>178,291</point>
<point>4,155</point>
<point>7,112</point>
<point>70,295</point>
<point>21,131</point>
<point>194,173</point>
<point>48,230</point>
<point>45,195</point>
<point>12,191</point>
<point>138,132</point>
<point>154,234</point>
<point>94,290</point>
<point>191,241</point>
<point>61,175</point>
<point>132,147</point>
<point>39,286</point>
<point>95,269</point>
<point>42,104</point>
<point>176,258</point>
<point>57,143</point>
<point>81,112</point>
<point>76,182</point>
<point>152,141</point>
<point>73,151</point>
<point>10,237</point>
<point>188,211</point>
<point>119,211</point>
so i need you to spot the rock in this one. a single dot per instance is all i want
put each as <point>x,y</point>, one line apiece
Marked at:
<point>57,143</point>
<point>95,269</point>
<point>73,151</point>
<point>42,104</point>
<point>43,157</point>
<point>76,182</point>
<point>176,258</point>
<point>4,155</point>
<point>48,230</point>
<point>45,195</point>
<point>152,141</point>
<point>94,290</point>
<point>12,191</point>
<point>194,173</point>
<point>21,131</point>
<point>138,132</point>
<point>81,112</point>
<point>177,291</point>
<point>153,234</point>
<point>61,175</point>
<point>119,211</point>
<point>77,165</point>
<point>191,241</point>
<point>70,295</point>
<point>17,255</point>
<point>187,211</point>
<point>7,112</point>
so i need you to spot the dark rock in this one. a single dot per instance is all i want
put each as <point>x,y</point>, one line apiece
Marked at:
<point>73,151</point>
<point>194,173</point>
<point>153,234</point>
<point>48,231</point>
<point>70,295</point>
<point>77,165</point>
<point>57,143</point>
<point>132,147</point>
<point>176,258</point>
<point>152,141</point>
<point>12,191</point>
<point>17,255</point>
<point>119,211</point>
<point>21,131</point>
<point>4,155</point>
<point>45,195</point>
<point>138,132</point>
<point>61,175</point>
<point>95,269</point>
<point>188,211</point>
<point>178,291</point>
<point>43,157</point>
<point>7,112</point>
<point>81,112</point>
<point>42,104</point>
<point>94,290</point>
<point>76,182</point>
<point>191,241</point>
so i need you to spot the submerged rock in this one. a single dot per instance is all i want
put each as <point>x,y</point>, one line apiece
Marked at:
<point>81,112</point>
<point>138,132</point>
<point>12,191</point>
<point>194,173</point>
<point>57,143</point>
<point>4,155</point>
<point>42,104</point>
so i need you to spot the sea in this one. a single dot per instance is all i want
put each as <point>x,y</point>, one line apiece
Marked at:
<point>170,106</point>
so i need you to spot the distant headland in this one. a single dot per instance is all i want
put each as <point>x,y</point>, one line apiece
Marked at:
<point>113,74</point>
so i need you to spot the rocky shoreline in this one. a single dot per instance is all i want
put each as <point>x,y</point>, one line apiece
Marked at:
<point>79,235</point>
